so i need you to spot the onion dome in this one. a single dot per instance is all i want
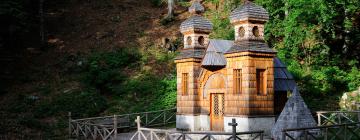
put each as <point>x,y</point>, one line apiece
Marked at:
<point>249,11</point>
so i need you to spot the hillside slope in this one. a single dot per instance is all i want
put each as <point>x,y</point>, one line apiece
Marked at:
<point>97,54</point>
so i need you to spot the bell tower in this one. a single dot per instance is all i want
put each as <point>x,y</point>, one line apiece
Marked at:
<point>250,63</point>
<point>196,29</point>
<point>248,22</point>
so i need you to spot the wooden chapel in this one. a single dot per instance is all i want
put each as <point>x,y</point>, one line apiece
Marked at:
<point>218,80</point>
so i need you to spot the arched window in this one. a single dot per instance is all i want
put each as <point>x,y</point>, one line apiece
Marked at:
<point>255,31</point>
<point>241,32</point>
<point>188,40</point>
<point>201,40</point>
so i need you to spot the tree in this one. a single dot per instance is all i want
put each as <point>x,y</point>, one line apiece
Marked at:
<point>171,5</point>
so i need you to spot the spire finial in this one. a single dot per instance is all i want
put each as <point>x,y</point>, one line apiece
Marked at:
<point>196,7</point>
<point>247,1</point>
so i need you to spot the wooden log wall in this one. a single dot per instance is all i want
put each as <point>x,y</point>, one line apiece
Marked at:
<point>189,103</point>
<point>249,102</point>
<point>203,82</point>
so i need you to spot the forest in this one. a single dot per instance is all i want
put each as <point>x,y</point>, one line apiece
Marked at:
<point>102,57</point>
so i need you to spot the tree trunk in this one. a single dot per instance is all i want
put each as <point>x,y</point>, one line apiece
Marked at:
<point>41,16</point>
<point>171,5</point>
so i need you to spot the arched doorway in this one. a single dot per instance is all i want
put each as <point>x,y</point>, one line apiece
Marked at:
<point>214,89</point>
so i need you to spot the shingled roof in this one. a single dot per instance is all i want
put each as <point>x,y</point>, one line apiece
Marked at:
<point>191,53</point>
<point>250,46</point>
<point>196,23</point>
<point>249,11</point>
<point>294,115</point>
<point>284,81</point>
<point>213,56</point>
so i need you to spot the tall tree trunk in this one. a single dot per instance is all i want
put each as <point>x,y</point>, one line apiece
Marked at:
<point>41,16</point>
<point>171,5</point>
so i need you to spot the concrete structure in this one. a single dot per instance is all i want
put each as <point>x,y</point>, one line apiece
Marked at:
<point>218,80</point>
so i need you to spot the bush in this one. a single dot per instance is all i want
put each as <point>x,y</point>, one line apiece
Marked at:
<point>105,70</point>
<point>166,94</point>
<point>353,78</point>
<point>350,100</point>
<point>81,104</point>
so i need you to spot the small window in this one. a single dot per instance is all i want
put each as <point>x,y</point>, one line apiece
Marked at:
<point>201,40</point>
<point>261,81</point>
<point>184,83</point>
<point>188,40</point>
<point>237,81</point>
<point>256,31</point>
<point>241,32</point>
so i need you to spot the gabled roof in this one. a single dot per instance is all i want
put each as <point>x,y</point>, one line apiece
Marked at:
<point>221,45</point>
<point>294,115</point>
<point>214,56</point>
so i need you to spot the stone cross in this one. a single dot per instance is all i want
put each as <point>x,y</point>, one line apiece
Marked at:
<point>233,124</point>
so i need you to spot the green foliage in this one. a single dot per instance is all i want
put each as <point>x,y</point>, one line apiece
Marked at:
<point>106,69</point>
<point>166,94</point>
<point>309,36</point>
<point>353,78</point>
<point>222,29</point>
<point>80,104</point>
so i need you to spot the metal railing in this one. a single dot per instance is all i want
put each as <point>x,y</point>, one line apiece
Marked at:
<point>106,127</point>
<point>349,131</point>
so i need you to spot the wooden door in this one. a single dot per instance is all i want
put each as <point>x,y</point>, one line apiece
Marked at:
<point>217,111</point>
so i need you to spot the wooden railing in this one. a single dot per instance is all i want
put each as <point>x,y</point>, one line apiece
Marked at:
<point>106,127</point>
<point>161,134</point>
<point>337,117</point>
<point>349,131</point>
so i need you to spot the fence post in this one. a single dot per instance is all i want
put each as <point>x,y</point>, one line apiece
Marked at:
<point>233,124</point>
<point>339,117</point>
<point>69,117</point>
<point>128,120</point>
<point>115,127</point>
<point>146,119</point>
<point>319,118</point>
<point>345,127</point>
<point>283,135</point>
<point>164,117</point>
<point>138,126</point>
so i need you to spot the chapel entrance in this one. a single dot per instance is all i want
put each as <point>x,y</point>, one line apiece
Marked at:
<point>217,107</point>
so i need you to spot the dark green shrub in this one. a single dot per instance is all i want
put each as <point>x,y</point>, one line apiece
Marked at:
<point>81,104</point>
<point>105,70</point>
